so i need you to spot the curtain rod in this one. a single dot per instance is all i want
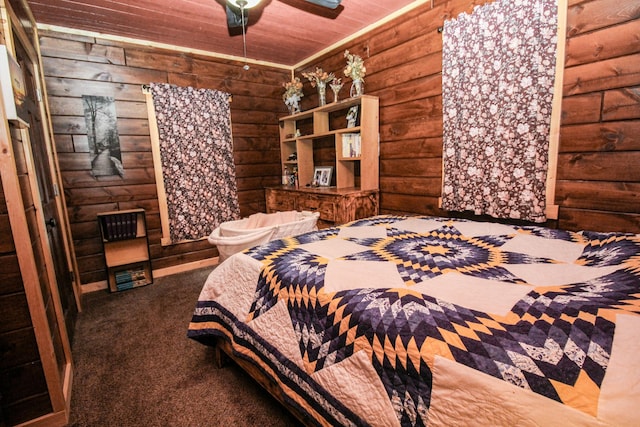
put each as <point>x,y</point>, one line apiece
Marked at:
<point>146,89</point>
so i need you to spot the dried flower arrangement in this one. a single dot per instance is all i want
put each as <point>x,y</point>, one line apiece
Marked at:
<point>355,66</point>
<point>319,77</point>
<point>292,94</point>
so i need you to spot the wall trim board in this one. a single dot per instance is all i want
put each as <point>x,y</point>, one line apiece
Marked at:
<point>292,68</point>
<point>556,111</point>
<point>363,31</point>
<point>154,134</point>
<point>147,43</point>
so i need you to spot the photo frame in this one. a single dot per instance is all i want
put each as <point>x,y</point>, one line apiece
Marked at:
<point>322,176</point>
<point>352,116</point>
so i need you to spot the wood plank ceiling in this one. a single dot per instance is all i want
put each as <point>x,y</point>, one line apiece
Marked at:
<point>284,32</point>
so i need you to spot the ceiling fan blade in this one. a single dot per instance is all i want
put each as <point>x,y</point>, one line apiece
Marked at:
<point>331,4</point>
<point>234,17</point>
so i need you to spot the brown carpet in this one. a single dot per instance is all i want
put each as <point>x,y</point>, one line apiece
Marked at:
<point>135,366</point>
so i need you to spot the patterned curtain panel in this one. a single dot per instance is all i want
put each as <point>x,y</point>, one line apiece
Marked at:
<point>498,74</point>
<point>194,127</point>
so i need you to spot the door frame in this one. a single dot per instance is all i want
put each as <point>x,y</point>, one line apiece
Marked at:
<point>59,382</point>
<point>33,51</point>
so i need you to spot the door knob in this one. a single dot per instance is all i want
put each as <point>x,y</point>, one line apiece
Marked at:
<point>52,222</point>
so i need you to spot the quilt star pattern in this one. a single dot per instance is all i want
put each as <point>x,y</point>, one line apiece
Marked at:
<point>543,317</point>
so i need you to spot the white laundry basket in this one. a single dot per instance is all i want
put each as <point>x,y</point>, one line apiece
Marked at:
<point>235,236</point>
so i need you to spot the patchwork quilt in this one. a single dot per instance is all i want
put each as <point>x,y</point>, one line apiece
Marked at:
<point>410,321</point>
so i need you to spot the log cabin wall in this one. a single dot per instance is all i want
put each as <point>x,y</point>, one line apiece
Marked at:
<point>599,161</point>
<point>598,184</point>
<point>599,158</point>
<point>79,65</point>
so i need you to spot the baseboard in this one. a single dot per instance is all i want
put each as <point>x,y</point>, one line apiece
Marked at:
<point>161,272</point>
<point>168,271</point>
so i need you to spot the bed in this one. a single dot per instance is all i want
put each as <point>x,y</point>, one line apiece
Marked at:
<point>417,320</point>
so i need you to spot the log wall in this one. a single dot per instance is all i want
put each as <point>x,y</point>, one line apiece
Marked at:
<point>598,184</point>
<point>78,65</point>
<point>599,161</point>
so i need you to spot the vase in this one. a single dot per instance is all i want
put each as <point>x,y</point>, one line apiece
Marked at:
<point>336,88</point>
<point>293,104</point>
<point>293,109</point>
<point>322,93</point>
<point>357,88</point>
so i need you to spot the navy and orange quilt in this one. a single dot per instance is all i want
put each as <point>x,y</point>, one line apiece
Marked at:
<point>416,320</point>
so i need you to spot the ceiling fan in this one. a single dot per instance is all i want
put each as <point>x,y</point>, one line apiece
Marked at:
<point>238,13</point>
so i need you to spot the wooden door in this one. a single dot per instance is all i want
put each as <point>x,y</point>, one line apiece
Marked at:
<point>48,191</point>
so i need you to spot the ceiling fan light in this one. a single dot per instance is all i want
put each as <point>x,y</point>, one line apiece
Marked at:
<point>243,4</point>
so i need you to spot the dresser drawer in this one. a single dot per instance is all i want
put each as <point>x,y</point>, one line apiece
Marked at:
<point>326,206</point>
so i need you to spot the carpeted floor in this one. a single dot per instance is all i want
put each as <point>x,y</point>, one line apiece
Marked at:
<point>134,365</point>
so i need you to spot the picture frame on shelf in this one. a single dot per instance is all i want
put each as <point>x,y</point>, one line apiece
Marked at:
<point>352,116</point>
<point>322,175</point>
<point>351,145</point>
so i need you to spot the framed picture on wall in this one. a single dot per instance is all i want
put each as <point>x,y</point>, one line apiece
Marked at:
<point>322,175</point>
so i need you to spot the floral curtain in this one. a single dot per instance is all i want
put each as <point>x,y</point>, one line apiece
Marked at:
<point>497,87</point>
<point>194,127</point>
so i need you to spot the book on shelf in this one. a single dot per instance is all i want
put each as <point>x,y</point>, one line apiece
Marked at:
<point>122,276</point>
<point>124,285</point>
<point>130,284</point>
<point>133,274</point>
<point>131,278</point>
<point>351,145</point>
<point>120,226</point>
<point>127,222</point>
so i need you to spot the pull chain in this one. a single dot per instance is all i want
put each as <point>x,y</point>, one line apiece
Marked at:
<point>244,41</point>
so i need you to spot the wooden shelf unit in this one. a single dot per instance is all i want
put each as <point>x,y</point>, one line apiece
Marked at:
<point>126,249</point>
<point>355,194</point>
<point>329,121</point>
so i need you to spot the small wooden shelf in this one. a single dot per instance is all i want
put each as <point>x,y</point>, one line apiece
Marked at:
<point>126,249</point>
